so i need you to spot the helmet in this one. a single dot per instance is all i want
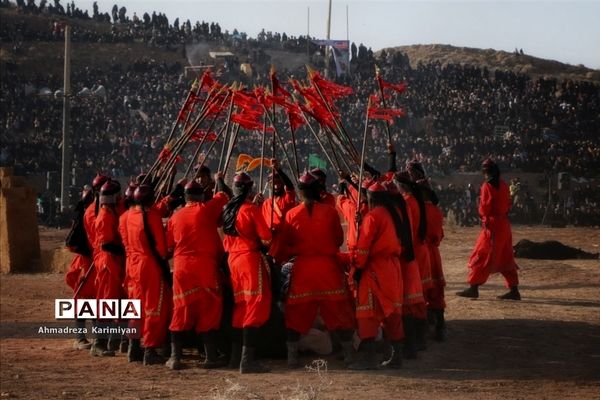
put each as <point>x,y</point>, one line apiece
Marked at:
<point>415,170</point>
<point>131,186</point>
<point>242,179</point>
<point>143,195</point>
<point>193,191</point>
<point>109,191</point>
<point>98,181</point>
<point>307,180</point>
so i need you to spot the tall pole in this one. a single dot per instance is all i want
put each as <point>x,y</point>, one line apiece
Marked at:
<point>308,34</point>
<point>327,52</point>
<point>347,26</point>
<point>66,137</point>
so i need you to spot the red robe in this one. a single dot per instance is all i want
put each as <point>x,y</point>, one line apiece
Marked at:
<point>327,198</point>
<point>250,274</point>
<point>192,236</point>
<point>421,252</point>
<point>146,275</point>
<point>76,273</point>
<point>435,234</point>
<point>493,251</point>
<point>109,266</point>
<point>282,205</point>
<point>317,279</point>
<point>380,289</point>
<point>347,207</point>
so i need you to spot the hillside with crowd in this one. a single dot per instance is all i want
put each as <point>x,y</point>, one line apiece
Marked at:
<point>456,114</point>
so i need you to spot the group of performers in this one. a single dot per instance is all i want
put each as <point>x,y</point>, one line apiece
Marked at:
<point>239,258</point>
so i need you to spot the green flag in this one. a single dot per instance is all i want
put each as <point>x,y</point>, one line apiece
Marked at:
<point>314,161</point>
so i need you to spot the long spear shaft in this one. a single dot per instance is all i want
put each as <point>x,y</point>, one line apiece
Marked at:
<point>337,123</point>
<point>262,152</point>
<point>212,145</point>
<point>276,135</point>
<point>187,171</point>
<point>318,140</point>
<point>226,131</point>
<point>231,146</point>
<point>387,123</point>
<point>183,139</point>
<point>360,174</point>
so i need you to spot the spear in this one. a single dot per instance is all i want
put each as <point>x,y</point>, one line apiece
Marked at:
<point>210,149</point>
<point>262,152</point>
<point>361,171</point>
<point>387,123</point>
<point>175,124</point>
<point>195,155</point>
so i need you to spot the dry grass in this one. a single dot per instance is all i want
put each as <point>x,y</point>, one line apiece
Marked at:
<point>494,59</point>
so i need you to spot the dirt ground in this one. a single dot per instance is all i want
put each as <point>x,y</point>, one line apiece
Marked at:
<point>545,347</point>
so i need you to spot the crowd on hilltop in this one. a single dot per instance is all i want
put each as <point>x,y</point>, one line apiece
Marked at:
<point>456,114</point>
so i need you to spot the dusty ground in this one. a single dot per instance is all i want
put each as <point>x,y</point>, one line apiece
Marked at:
<point>546,346</point>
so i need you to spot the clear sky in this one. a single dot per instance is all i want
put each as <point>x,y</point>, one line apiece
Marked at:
<point>567,31</point>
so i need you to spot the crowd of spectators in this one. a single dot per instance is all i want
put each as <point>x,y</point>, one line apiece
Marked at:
<point>456,114</point>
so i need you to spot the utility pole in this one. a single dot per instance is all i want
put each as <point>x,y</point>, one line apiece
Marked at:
<point>308,34</point>
<point>65,180</point>
<point>327,51</point>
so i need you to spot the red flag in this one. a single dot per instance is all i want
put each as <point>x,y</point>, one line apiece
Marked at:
<point>387,114</point>
<point>165,154</point>
<point>330,90</point>
<point>206,81</point>
<point>200,135</point>
<point>278,90</point>
<point>398,87</point>
<point>188,107</point>
<point>249,121</point>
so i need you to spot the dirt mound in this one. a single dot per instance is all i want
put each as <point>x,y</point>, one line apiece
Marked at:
<point>495,59</point>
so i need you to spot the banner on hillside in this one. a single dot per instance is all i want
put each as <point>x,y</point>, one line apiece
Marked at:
<point>341,54</point>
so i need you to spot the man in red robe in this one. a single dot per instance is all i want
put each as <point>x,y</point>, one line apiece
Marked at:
<point>434,296</point>
<point>274,208</point>
<point>77,275</point>
<point>149,272</point>
<point>415,308</point>
<point>193,240</point>
<point>380,289</point>
<point>134,349</point>
<point>324,196</point>
<point>346,205</point>
<point>313,235</point>
<point>493,250</point>
<point>246,237</point>
<point>108,260</point>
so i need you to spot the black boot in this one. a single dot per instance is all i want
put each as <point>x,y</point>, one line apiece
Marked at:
<point>409,350</point>
<point>421,334</point>
<point>99,349</point>
<point>367,357</point>
<point>348,352</point>
<point>114,343</point>
<point>472,292</point>
<point>513,294</point>
<point>293,360</point>
<point>249,364</point>
<point>124,345</point>
<point>81,343</point>
<point>174,361</point>
<point>151,357</point>
<point>210,349</point>
<point>134,351</point>
<point>236,355</point>
<point>440,326</point>
<point>395,361</point>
